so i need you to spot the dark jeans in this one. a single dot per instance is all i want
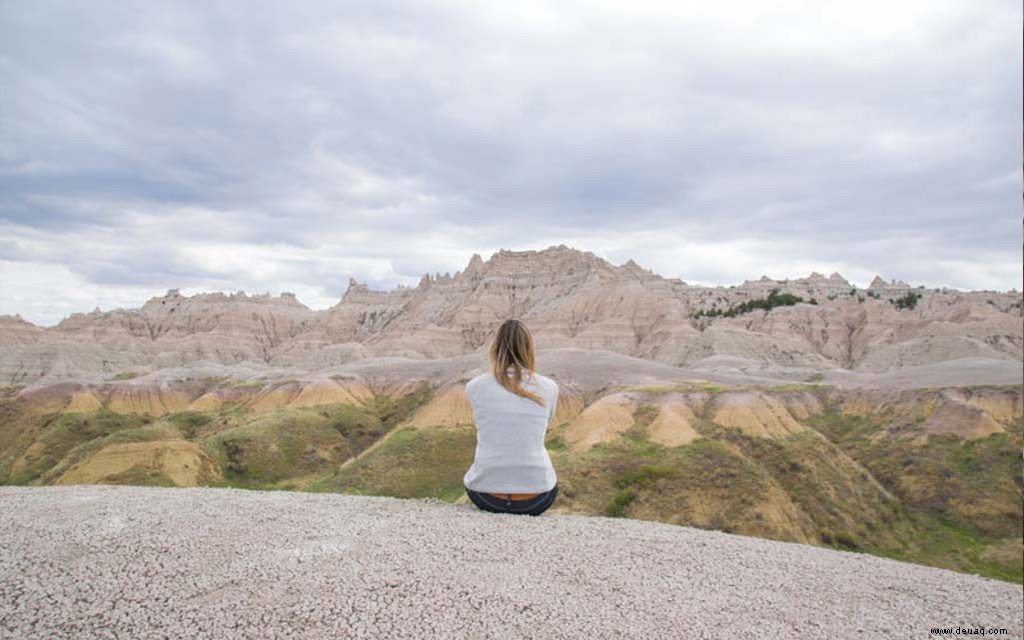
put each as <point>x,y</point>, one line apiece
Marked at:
<point>531,507</point>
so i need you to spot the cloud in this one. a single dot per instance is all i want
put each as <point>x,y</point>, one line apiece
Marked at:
<point>146,147</point>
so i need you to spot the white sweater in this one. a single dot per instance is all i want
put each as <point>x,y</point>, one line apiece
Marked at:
<point>510,429</point>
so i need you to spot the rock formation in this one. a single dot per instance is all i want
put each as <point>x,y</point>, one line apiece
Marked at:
<point>570,298</point>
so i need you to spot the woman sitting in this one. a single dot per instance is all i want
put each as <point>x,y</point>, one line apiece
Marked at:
<point>512,406</point>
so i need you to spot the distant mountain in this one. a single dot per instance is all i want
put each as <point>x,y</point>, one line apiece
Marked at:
<point>569,298</point>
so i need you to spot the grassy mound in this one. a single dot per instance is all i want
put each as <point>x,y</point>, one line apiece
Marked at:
<point>962,498</point>
<point>847,471</point>
<point>411,463</point>
<point>37,444</point>
<point>290,443</point>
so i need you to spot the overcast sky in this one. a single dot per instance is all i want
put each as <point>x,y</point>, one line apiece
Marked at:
<point>273,146</point>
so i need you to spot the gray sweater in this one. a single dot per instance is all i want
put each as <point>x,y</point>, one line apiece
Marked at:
<point>510,429</point>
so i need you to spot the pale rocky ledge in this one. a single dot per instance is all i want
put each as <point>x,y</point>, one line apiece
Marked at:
<point>132,562</point>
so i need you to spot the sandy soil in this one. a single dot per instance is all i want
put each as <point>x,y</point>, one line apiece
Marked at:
<point>105,562</point>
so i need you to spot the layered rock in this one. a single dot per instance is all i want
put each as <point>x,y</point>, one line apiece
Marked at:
<point>16,332</point>
<point>182,463</point>
<point>447,409</point>
<point>969,413</point>
<point>674,425</point>
<point>569,298</point>
<point>755,414</point>
<point>602,421</point>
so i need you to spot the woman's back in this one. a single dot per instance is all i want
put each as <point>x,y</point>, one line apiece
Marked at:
<point>510,431</point>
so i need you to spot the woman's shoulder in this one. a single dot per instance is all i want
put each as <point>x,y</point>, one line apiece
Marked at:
<point>488,378</point>
<point>546,381</point>
<point>478,380</point>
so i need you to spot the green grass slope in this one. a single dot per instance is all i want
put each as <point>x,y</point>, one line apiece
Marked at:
<point>875,482</point>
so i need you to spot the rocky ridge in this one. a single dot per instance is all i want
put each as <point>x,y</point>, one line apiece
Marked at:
<point>570,298</point>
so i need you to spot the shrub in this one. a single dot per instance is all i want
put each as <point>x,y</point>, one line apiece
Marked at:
<point>189,422</point>
<point>641,477</point>
<point>774,299</point>
<point>908,301</point>
<point>617,507</point>
<point>556,443</point>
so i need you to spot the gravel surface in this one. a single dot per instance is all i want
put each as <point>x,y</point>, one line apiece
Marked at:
<point>106,562</point>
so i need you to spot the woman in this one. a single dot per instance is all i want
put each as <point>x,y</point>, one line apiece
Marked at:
<point>512,405</point>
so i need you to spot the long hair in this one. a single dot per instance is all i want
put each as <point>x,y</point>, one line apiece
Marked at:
<point>513,349</point>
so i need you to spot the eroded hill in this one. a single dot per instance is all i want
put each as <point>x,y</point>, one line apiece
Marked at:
<point>569,298</point>
<point>931,475</point>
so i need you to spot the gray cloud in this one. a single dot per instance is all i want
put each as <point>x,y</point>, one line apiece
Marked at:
<point>142,146</point>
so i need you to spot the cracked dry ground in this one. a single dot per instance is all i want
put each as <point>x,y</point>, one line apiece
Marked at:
<point>132,562</point>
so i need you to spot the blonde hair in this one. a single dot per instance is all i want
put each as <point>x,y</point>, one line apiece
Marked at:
<point>513,349</point>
